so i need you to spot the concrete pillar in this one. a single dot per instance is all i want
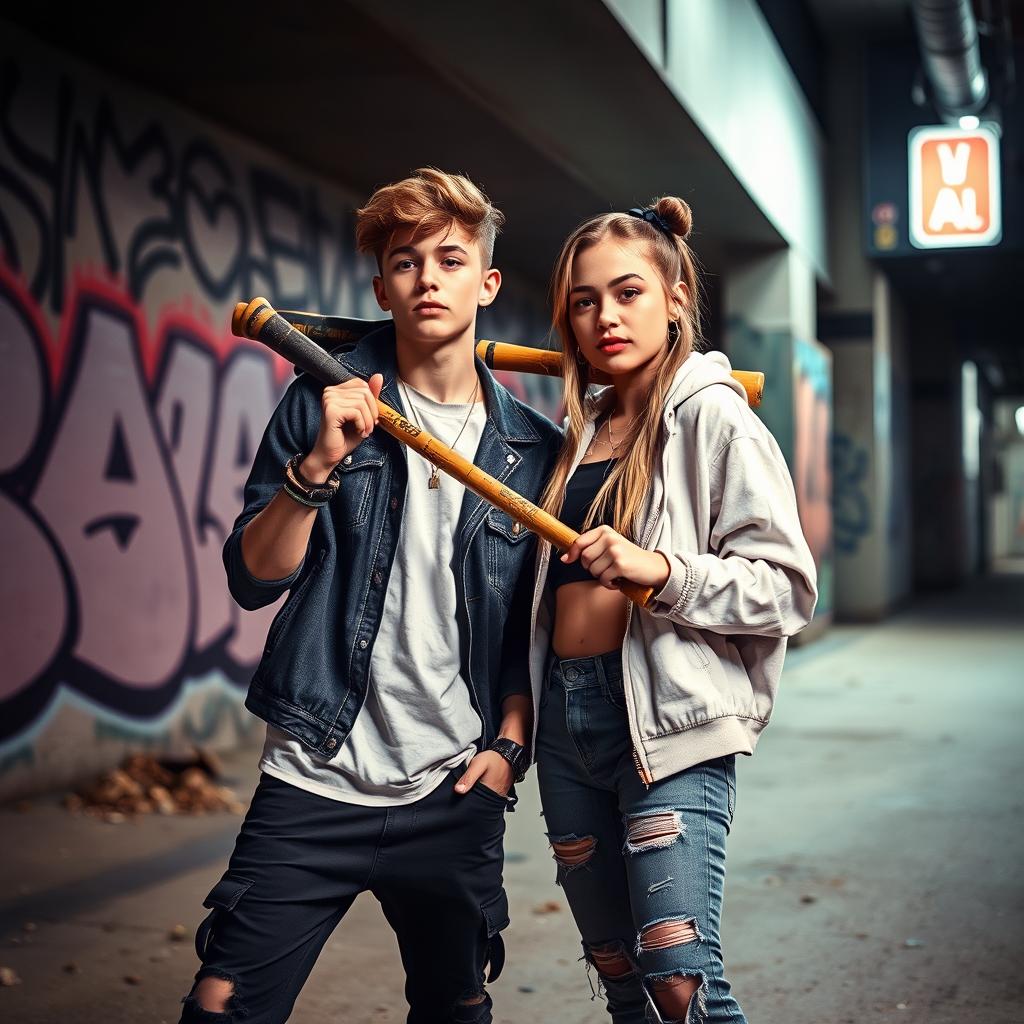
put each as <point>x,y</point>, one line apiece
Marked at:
<point>770,315</point>
<point>863,323</point>
<point>944,482</point>
<point>871,453</point>
<point>1006,509</point>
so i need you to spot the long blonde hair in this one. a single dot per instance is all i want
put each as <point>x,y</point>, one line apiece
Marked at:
<point>628,484</point>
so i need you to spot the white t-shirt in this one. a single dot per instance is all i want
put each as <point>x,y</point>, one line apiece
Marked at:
<point>417,722</point>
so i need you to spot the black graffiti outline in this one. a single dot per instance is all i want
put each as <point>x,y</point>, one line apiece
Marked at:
<point>81,146</point>
<point>190,187</point>
<point>65,670</point>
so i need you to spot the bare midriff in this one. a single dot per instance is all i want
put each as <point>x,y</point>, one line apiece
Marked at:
<point>589,619</point>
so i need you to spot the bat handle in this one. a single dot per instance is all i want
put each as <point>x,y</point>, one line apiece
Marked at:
<point>637,593</point>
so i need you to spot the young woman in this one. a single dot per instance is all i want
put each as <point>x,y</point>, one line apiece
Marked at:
<point>674,484</point>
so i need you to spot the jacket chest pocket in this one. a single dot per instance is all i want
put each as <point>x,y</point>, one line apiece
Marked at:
<point>359,472</point>
<point>504,537</point>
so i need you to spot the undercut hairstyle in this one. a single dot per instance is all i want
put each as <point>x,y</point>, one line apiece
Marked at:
<point>428,201</point>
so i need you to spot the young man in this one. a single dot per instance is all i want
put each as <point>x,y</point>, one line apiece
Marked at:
<point>394,680</point>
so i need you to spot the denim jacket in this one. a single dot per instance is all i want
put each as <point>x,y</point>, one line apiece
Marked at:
<point>312,678</point>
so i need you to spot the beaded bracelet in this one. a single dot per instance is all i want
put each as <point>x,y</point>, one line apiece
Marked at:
<point>301,499</point>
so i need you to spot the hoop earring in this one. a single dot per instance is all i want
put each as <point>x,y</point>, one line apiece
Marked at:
<point>673,332</point>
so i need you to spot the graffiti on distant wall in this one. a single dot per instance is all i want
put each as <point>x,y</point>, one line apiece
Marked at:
<point>812,477</point>
<point>797,409</point>
<point>129,416</point>
<point>852,508</point>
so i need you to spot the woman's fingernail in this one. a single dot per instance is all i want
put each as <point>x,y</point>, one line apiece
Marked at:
<point>461,788</point>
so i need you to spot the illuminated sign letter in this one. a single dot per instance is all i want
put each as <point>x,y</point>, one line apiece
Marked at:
<point>954,187</point>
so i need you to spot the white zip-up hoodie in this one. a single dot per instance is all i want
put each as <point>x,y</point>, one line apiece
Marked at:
<point>701,666</point>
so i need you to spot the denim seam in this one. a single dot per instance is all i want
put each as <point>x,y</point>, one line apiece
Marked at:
<point>362,606</point>
<point>707,858</point>
<point>302,712</point>
<point>377,848</point>
<point>584,731</point>
<point>707,847</point>
<point>287,613</point>
<point>572,738</point>
<point>364,504</point>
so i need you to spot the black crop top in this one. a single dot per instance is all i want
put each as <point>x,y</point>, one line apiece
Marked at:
<point>580,491</point>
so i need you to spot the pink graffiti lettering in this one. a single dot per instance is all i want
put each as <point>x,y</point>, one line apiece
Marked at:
<point>33,615</point>
<point>121,473</point>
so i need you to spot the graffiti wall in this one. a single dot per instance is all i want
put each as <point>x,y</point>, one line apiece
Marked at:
<point>812,464</point>
<point>129,415</point>
<point>797,409</point>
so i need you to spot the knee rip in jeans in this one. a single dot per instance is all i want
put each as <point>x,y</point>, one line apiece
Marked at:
<point>675,931</point>
<point>572,852</point>
<point>471,1008</point>
<point>677,996</point>
<point>212,999</point>
<point>653,831</point>
<point>612,961</point>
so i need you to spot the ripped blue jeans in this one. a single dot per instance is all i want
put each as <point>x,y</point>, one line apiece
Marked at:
<point>643,868</point>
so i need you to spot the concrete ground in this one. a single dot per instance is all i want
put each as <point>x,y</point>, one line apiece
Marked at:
<point>874,867</point>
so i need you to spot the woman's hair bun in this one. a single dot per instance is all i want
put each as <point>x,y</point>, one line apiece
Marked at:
<point>675,212</point>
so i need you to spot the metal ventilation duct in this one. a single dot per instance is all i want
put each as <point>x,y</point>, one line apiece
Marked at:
<point>948,32</point>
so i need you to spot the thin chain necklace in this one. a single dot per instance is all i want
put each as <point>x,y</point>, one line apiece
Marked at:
<point>608,429</point>
<point>434,483</point>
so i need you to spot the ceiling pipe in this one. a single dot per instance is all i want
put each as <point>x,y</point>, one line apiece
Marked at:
<point>948,33</point>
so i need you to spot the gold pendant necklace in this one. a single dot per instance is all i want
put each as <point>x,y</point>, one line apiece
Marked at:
<point>434,480</point>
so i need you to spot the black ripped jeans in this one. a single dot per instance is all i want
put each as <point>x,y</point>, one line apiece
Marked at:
<point>299,862</point>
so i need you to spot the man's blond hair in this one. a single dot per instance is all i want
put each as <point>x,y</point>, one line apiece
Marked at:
<point>427,201</point>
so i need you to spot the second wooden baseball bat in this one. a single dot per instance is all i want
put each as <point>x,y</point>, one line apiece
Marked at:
<point>336,331</point>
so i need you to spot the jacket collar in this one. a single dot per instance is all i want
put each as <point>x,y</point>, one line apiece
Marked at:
<point>375,353</point>
<point>698,371</point>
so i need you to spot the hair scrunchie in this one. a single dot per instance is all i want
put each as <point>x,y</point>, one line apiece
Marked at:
<point>653,218</point>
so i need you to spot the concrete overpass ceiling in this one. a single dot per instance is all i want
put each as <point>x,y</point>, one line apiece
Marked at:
<point>550,106</point>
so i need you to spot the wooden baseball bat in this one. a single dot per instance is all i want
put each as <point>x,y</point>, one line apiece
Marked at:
<point>259,321</point>
<point>500,355</point>
<point>334,331</point>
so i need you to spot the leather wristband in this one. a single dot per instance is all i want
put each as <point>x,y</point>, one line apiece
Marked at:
<point>299,497</point>
<point>304,491</point>
<point>514,753</point>
<point>333,479</point>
